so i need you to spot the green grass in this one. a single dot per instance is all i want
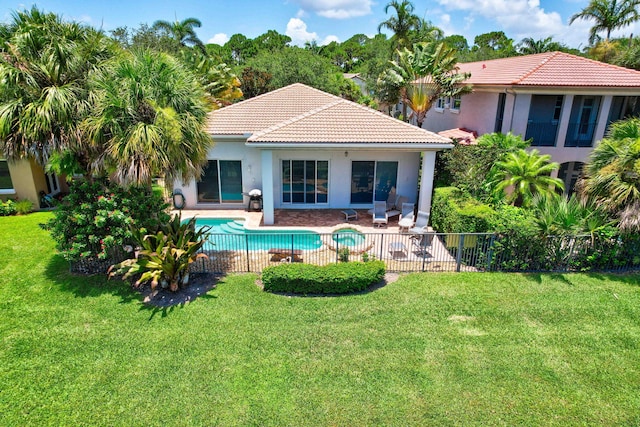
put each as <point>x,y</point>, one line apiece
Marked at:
<point>432,349</point>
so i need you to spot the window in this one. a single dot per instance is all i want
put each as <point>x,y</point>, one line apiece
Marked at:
<point>440,103</point>
<point>221,182</point>
<point>455,102</point>
<point>6,185</point>
<point>558,108</point>
<point>502,100</point>
<point>305,181</point>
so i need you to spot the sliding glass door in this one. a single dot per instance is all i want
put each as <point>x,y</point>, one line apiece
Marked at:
<point>371,180</point>
<point>221,182</point>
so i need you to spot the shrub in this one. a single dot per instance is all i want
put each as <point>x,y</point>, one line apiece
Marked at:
<point>454,212</point>
<point>343,254</point>
<point>95,220</point>
<point>24,207</point>
<point>7,208</point>
<point>338,278</point>
<point>165,256</point>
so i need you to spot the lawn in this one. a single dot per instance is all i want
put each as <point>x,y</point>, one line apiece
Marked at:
<point>429,349</point>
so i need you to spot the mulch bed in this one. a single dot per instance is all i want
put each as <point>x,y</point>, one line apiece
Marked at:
<point>199,284</point>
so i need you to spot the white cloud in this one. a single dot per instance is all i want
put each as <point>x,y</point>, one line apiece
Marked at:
<point>329,39</point>
<point>219,39</point>
<point>297,30</point>
<point>337,9</point>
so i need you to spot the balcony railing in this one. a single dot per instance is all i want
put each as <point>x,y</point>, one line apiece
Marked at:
<point>542,134</point>
<point>580,134</point>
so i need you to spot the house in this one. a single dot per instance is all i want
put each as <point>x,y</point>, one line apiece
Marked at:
<point>26,179</point>
<point>358,80</point>
<point>307,149</point>
<point>563,103</point>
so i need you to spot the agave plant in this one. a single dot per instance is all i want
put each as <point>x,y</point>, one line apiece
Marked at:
<point>165,257</point>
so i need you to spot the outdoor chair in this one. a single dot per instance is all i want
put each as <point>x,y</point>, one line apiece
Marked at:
<point>406,217</point>
<point>380,216</point>
<point>421,225</point>
<point>421,243</point>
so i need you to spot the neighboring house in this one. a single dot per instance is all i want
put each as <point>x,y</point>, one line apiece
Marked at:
<point>25,179</point>
<point>357,79</point>
<point>307,149</point>
<point>563,103</point>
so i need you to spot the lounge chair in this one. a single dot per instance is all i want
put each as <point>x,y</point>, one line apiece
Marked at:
<point>421,243</point>
<point>421,225</point>
<point>406,217</point>
<point>380,216</point>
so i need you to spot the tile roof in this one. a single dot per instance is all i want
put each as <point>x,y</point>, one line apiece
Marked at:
<point>549,69</point>
<point>300,114</point>
<point>463,135</point>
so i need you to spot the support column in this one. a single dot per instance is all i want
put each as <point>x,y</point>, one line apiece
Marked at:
<point>603,119</point>
<point>426,180</point>
<point>565,116</point>
<point>267,187</point>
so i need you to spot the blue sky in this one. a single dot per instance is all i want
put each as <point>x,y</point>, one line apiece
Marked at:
<point>326,20</point>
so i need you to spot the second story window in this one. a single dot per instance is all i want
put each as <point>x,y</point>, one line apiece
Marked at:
<point>456,101</point>
<point>440,103</point>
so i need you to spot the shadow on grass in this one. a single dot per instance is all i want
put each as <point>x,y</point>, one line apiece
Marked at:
<point>87,286</point>
<point>630,277</point>
<point>537,277</point>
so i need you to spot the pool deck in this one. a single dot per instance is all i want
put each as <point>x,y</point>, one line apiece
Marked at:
<point>321,221</point>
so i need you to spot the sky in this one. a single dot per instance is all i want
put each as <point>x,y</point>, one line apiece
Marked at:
<point>328,20</point>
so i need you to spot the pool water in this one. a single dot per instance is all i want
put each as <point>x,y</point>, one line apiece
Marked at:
<point>348,237</point>
<point>230,235</point>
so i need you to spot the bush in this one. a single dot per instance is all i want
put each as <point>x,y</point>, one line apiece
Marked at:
<point>95,220</point>
<point>454,212</point>
<point>339,278</point>
<point>24,207</point>
<point>165,256</point>
<point>7,208</point>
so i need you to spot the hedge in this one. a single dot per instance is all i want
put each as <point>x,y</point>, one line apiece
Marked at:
<point>339,278</point>
<point>454,212</point>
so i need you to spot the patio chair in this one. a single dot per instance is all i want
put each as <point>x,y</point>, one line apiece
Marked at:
<point>421,243</point>
<point>406,217</point>
<point>380,217</point>
<point>421,225</point>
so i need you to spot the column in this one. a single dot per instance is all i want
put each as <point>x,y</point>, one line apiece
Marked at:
<point>426,180</point>
<point>267,187</point>
<point>603,119</point>
<point>565,116</point>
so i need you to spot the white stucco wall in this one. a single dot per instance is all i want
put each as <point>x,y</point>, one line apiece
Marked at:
<point>339,173</point>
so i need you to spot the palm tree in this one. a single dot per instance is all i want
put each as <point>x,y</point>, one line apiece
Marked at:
<point>425,74</point>
<point>529,46</point>
<point>608,15</point>
<point>147,117</point>
<point>182,31</point>
<point>612,175</point>
<point>44,64</point>
<point>526,174</point>
<point>401,24</point>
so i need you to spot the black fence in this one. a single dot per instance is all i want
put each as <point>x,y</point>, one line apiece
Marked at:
<point>476,252</point>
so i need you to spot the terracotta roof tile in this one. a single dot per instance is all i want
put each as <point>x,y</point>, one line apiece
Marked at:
<point>550,69</point>
<point>300,114</point>
<point>463,135</point>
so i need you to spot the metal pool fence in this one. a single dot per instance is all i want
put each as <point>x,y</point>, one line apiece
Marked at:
<point>477,252</point>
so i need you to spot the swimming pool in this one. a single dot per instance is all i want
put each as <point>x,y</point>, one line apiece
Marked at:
<point>228,234</point>
<point>348,237</point>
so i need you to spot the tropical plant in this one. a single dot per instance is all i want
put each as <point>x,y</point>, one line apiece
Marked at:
<point>524,174</point>
<point>221,85</point>
<point>529,45</point>
<point>164,257</point>
<point>608,15</point>
<point>182,31</point>
<point>425,74</point>
<point>504,142</point>
<point>24,206</point>
<point>147,117</point>
<point>44,64</point>
<point>95,219</point>
<point>402,23</point>
<point>567,215</point>
<point>612,174</point>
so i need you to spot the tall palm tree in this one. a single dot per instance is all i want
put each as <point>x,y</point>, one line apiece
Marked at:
<point>529,45</point>
<point>402,23</point>
<point>147,116</point>
<point>182,31</point>
<point>526,174</point>
<point>425,74</point>
<point>612,175</point>
<point>608,15</point>
<point>44,64</point>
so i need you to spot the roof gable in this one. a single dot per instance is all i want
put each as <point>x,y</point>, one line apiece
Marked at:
<point>549,69</point>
